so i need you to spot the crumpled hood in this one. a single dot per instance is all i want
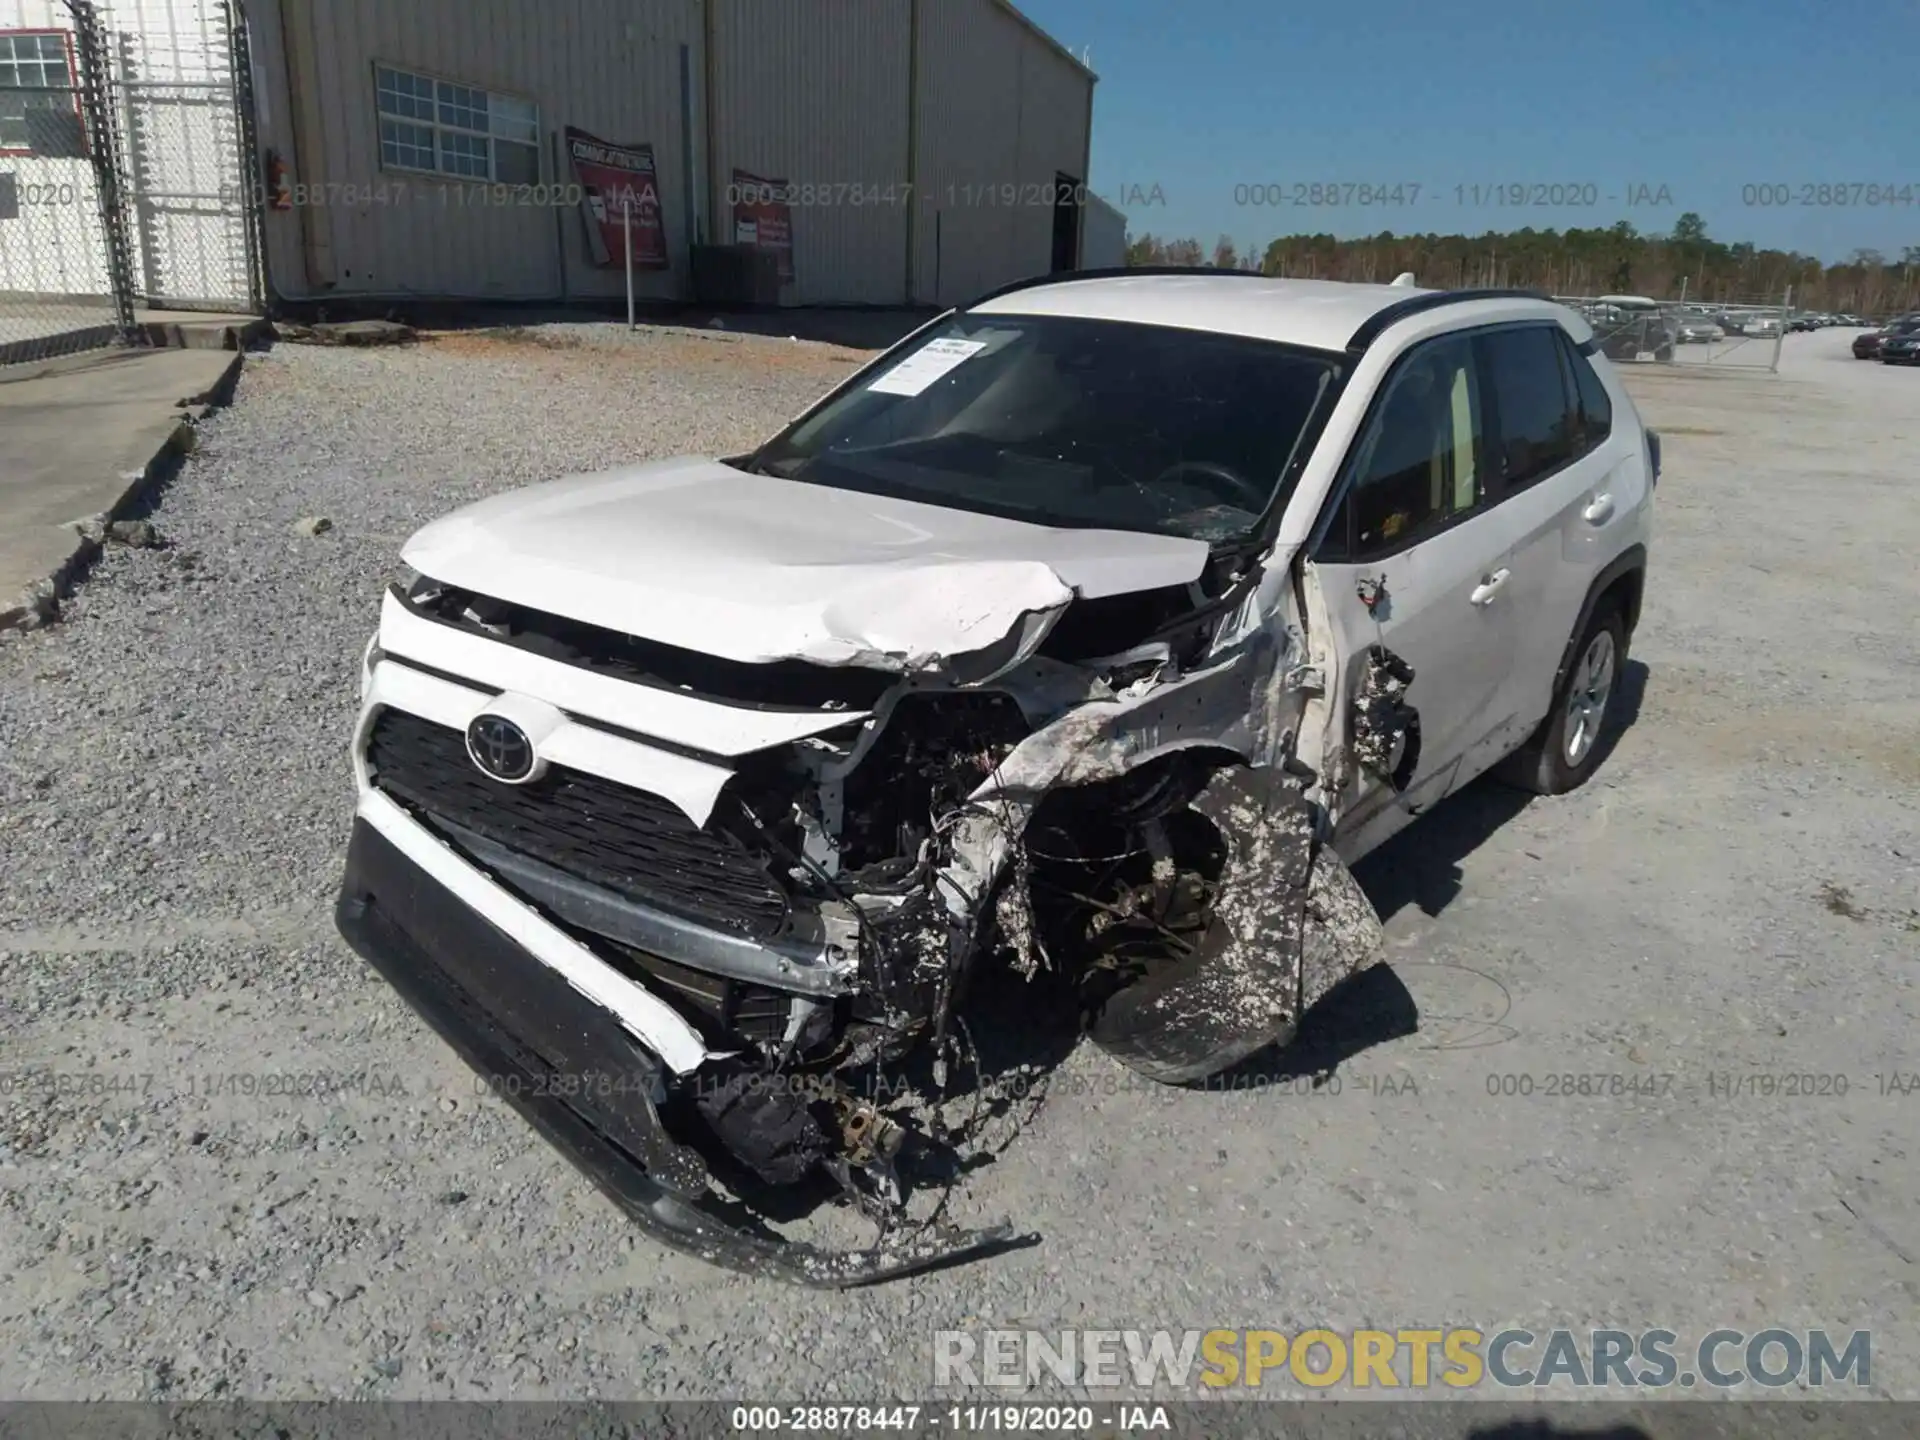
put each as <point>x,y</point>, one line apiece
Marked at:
<point>754,568</point>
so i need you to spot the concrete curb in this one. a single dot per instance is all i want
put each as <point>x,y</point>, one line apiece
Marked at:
<point>39,603</point>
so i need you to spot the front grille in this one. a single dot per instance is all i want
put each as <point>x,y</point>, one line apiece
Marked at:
<point>632,843</point>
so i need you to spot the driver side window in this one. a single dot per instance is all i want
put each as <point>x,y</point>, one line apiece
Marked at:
<point>1421,461</point>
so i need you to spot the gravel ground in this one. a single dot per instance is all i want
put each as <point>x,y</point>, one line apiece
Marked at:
<point>1734,894</point>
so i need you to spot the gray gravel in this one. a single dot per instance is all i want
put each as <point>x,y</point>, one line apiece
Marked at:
<point>1736,891</point>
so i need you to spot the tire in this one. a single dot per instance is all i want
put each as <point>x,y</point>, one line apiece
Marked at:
<point>1172,1026</point>
<point>1565,750</point>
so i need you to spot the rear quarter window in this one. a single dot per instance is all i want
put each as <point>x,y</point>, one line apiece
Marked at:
<point>1537,419</point>
<point>1590,393</point>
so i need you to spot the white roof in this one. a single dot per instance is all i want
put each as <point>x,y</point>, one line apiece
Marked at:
<point>1322,314</point>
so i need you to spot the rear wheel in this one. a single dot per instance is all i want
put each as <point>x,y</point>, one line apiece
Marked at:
<point>1565,750</point>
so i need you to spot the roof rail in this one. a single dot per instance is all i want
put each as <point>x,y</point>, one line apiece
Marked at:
<point>1369,331</point>
<point>1371,328</point>
<point>1061,277</point>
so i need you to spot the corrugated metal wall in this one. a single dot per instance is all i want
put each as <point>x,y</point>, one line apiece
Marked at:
<point>1001,113</point>
<point>612,69</point>
<point>1103,240</point>
<point>814,92</point>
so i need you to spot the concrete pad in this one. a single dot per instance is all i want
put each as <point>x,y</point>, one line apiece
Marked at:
<point>80,438</point>
<point>202,329</point>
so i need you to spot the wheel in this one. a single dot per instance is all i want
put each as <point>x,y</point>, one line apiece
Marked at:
<point>1565,749</point>
<point>1664,353</point>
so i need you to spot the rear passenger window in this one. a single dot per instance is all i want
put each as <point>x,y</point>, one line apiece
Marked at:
<point>1536,419</point>
<point>1596,407</point>
<point>1421,459</point>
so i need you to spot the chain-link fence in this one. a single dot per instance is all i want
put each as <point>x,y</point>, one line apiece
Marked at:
<point>1744,332</point>
<point>125,134</point>
<point>1636,328</point>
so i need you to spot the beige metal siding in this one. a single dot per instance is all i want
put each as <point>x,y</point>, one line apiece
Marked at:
<point>814,92</point>
<point>1103,241</point>
<point>612,69</point>
<point>1001,113</point>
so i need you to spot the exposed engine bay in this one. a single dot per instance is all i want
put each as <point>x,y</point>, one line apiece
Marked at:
<point>1131,834</point>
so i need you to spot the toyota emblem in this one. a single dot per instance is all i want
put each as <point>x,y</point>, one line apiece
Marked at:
<point>500,749</point>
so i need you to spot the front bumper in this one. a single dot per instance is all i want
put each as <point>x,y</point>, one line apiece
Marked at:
<point>573,1072</point>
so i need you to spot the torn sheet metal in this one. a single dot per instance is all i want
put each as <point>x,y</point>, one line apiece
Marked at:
<point>1245,993</point>
<point>1386,729</point>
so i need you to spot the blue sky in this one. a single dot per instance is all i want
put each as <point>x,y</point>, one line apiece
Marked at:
<point>1703,97</point>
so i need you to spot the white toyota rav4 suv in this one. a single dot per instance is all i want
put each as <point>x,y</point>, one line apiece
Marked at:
<point>1074,643</point>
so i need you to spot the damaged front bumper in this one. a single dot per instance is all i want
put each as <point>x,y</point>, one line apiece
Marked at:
<point>567,1065</point>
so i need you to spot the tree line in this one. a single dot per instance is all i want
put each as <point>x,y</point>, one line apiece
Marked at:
<point>1615,260</point>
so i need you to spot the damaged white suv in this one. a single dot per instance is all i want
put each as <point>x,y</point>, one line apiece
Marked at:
<point>1075,640</point>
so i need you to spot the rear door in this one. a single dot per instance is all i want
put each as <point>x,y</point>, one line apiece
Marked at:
<point>1553,480</point>
<point>1410,558</point>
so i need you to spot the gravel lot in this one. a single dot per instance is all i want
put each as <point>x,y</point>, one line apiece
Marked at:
<point>1735,893</point>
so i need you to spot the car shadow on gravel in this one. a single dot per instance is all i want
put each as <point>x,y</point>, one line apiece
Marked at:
<point>1421,866</point>
<point>1547,1430</point>
<point>1007,1041</point>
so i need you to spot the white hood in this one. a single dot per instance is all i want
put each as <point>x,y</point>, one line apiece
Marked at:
<point>754,568</point>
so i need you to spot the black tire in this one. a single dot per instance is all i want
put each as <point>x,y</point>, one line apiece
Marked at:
<point>1172,1026</point>
<point>1547,764</point>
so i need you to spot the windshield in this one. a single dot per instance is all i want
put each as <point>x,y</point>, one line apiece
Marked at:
<point>1070,422</point>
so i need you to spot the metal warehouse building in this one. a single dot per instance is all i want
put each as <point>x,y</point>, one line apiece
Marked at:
<point>878,152</point>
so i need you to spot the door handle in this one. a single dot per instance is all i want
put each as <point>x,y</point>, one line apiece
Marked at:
<point>1489,587</point>
<point>1599,510</point>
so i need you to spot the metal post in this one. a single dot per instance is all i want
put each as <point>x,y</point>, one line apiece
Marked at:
<point>627,210</point>
<point>104,140</point>
<point>253,196</point>
<point>686,152</point>
<point>559,217</point>
<point>1780,331</point>
<point>1683,289</point>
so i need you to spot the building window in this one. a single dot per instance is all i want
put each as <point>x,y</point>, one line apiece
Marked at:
<point>39,99</point>
<point>448,129</point>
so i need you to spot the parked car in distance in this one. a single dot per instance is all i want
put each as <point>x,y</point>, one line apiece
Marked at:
<point>1699,329</point>
<point>1869,345</point>
<point>1084,637</point>
<point>1762,327</point>
<point>1901,347</point>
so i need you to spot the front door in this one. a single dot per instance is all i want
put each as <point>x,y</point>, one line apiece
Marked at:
<point>1412,562</point>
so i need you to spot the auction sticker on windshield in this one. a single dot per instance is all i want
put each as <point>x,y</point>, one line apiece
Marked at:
<point>919,370</point>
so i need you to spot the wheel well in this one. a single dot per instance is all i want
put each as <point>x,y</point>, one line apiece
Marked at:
<point>1619,592</point>
<point>1623,594</point>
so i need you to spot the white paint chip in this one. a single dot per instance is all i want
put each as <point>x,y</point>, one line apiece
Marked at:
<point>919,370</point>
